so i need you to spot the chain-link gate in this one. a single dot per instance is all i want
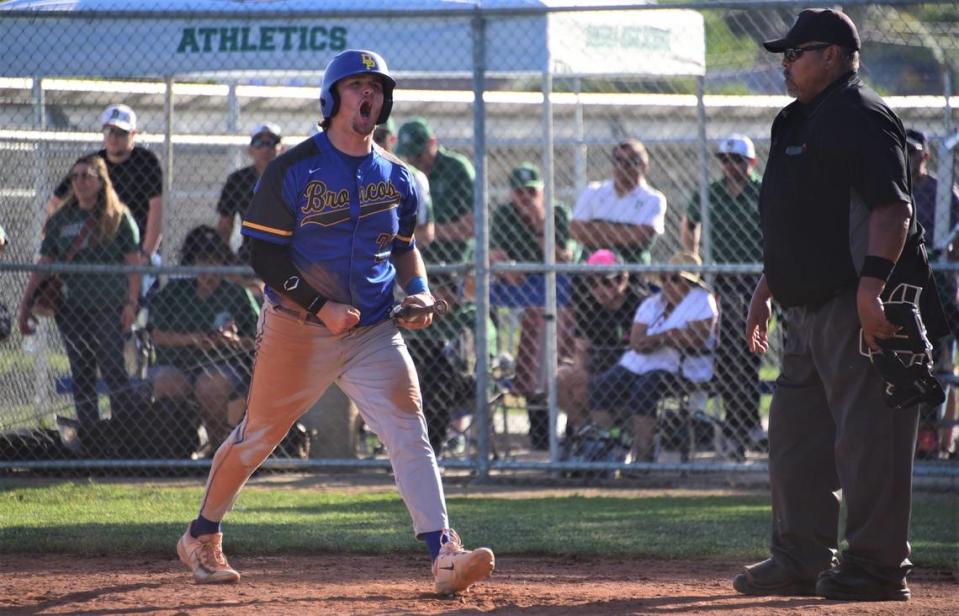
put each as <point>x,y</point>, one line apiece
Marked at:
<point>592,221</point>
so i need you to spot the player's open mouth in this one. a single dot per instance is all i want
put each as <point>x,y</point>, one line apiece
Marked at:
<point>365,109</point>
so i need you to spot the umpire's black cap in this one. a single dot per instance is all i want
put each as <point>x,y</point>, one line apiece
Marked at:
<point>822,25</point>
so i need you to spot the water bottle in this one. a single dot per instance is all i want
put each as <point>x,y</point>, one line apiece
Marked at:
<point>30,343</point>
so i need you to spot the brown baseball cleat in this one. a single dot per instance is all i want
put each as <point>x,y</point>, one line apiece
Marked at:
<point>204,556</point>
<point>456,569</point>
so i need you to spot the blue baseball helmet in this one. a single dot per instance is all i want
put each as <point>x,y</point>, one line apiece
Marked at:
<point>355,62</point>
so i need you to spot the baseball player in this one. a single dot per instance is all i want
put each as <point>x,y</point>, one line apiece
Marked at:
<point>331,225</point>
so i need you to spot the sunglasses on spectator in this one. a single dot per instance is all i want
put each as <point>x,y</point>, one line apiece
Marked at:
<point>729,158</point>
<point>264,142</point>
<point>673,278</point>
<point>113,131</point>
<point>608,281</point>
<point>76,176</point>
<point>627,161</point>
<point>794,53</point>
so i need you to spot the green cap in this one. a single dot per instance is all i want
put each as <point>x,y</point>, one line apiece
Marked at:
<point>526,175</point>
<point>413,137</point>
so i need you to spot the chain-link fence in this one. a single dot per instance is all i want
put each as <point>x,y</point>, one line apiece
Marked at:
<point>593,179</point>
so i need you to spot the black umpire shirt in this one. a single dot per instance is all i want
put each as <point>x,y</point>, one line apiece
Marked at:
<point>136,180</point>
<point>830,162</point>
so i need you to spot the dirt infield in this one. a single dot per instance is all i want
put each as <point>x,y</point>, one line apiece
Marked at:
<point>400,584</point>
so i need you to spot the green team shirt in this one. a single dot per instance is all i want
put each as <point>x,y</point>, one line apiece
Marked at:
<point>734,234</point>
<point>513,235</point>
<point>451,188</point>
<point>90,290</point>
<point>177,308</point>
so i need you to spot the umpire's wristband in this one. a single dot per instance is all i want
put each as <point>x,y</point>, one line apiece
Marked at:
<point>876,267</point>
<point>417,284</point>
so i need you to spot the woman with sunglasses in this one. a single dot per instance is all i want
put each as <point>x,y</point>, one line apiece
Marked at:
<point>92,227</point>
<point>603,306</point>
<point>672,339</point>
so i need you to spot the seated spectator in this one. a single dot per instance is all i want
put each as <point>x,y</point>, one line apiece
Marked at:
<point>517,234</point>
<point>91,227</point>
<point>445,359</point>
<point>603,306</point>
<point>204,330</point>
<point>672,338</point>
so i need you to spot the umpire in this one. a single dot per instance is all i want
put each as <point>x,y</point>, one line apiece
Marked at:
<point>839,239</point>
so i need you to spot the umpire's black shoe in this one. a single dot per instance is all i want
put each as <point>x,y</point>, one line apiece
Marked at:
<point>771,578</point>
<point>851,583</point>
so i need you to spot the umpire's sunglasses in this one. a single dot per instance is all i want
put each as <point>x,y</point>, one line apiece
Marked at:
<point>794,53</point>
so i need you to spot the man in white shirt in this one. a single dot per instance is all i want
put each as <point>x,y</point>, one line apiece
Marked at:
<point>624,212</point>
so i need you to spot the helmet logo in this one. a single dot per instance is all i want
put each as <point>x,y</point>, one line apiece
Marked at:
<point>368,61</point>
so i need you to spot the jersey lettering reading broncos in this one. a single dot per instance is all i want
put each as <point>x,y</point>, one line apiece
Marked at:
<point>341,226</point>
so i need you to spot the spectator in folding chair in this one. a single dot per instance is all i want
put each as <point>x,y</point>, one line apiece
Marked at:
<point>95,310</point>
<point>516,234</point>
<point>603,307</point>
<point>444,355</point>
<point>672,340</point>
<point>204,331</point>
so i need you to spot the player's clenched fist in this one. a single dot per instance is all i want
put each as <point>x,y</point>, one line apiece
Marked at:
<point>338,318</point>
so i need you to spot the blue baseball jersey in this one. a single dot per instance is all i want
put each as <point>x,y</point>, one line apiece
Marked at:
<point>342,226</point>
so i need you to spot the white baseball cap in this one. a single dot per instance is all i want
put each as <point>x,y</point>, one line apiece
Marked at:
<point>741,145</point>
<point>266,127</point>
<point>120,116</point>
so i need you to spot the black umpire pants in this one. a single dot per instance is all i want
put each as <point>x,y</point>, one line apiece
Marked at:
<point>737,369</point>
<point>830,428</point>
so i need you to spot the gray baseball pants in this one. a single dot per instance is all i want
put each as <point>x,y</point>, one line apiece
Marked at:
<point>830,429</point>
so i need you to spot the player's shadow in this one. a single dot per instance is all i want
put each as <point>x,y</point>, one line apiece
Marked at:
<point>681,604</point>
<point>70,599</point>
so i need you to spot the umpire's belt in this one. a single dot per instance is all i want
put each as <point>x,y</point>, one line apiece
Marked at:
<point>301,315</point>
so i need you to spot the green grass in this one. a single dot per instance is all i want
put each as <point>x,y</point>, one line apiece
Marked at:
<point>107,518</point>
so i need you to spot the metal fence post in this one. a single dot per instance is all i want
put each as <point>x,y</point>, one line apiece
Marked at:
<point>705,243</point>
<point>167,157</point>
<point>549,258</point>
<point>483,418</point>
<point>41,364</point>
